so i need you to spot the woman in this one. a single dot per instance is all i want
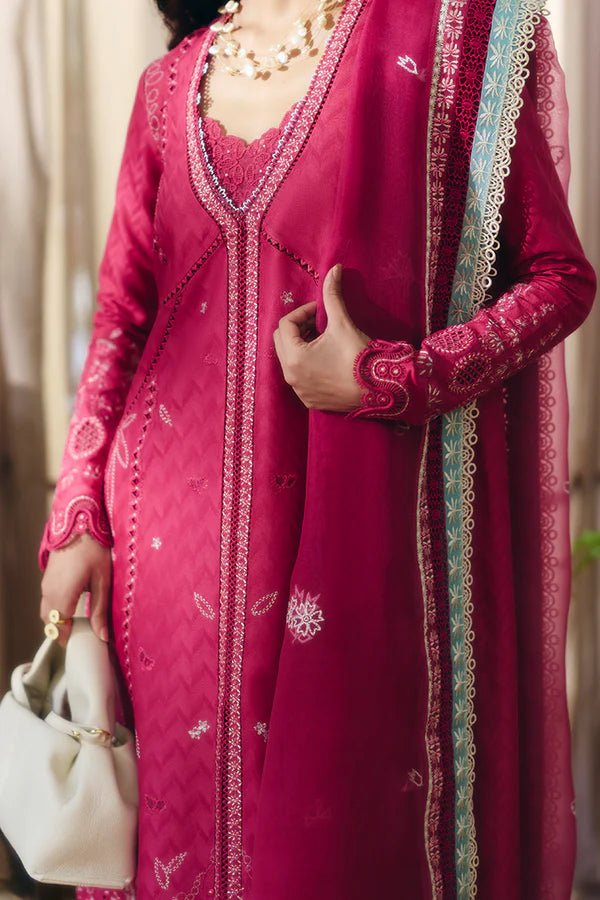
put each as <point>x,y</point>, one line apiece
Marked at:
<point>336,504</point>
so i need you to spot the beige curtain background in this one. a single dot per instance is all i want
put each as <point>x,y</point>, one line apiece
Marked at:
<point>69,70</point>
<point>576,25</point>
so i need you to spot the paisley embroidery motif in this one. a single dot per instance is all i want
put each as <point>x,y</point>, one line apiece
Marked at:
<point>264,604</point>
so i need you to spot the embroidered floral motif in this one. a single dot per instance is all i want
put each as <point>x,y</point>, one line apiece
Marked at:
<point>414,780</point>
<point>198,484</point>
<point>204,606</point>
<point>198,730</point>
<point>153,804</point>
<point>284,480</point>
<point>304,616</point>
<point>318,813</point>
<point>146,661</point>
<point>287,297</point>
<point>156,543</point>
<point>262,729</point>
<point>163,871</point>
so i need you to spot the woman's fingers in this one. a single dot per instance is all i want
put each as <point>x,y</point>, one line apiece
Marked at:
<point>62,594</point>
<point>301,313</point>
<point>64,632</point>
<point>292,326</point>
<point>99,603</point>
<point>82,565</point>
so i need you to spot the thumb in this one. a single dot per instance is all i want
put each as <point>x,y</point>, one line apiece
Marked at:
<point>333,300</point>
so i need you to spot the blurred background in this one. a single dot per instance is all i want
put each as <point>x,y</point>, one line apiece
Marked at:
<point>69,69</point>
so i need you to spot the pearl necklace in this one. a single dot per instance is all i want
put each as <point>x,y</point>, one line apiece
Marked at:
<point>251,64</point>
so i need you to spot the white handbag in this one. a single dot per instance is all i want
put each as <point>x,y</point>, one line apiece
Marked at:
<point>68,775</point>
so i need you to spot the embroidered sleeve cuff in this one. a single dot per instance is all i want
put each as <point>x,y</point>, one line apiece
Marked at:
<point>82,515</point>
<point>380,368</point>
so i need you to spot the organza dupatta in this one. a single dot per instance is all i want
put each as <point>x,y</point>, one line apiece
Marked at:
<point>446,563</point>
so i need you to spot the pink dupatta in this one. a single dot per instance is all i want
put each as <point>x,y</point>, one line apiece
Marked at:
<point>450,665</point>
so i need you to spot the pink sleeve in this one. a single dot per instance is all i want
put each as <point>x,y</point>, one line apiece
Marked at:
<point>125,310</point>
<point>546,286</point>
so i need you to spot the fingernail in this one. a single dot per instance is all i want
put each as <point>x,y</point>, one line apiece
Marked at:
<point>104,633</point>
<point>337,272</point>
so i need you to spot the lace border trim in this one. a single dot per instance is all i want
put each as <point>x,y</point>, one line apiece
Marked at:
<point>83,514</point>
<point>509,50</point>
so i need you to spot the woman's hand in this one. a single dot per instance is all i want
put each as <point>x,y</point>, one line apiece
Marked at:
<point>320,370</point>
<point>84,564</point>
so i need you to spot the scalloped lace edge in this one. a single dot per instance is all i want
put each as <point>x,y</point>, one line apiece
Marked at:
<point>82,515</point>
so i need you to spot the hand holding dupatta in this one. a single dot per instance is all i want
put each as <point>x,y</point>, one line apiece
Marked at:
<point>546,289</point>
<point>549,289</point>
<point>320,367</point>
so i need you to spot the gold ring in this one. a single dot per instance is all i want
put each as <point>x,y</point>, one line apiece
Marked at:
<point>55,619</point>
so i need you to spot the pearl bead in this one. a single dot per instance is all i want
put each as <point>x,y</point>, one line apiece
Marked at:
<point>299,42</point>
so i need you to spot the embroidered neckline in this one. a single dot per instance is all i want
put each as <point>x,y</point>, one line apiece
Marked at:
<point>218,128</point>
<point>241,228</point>
<point>239,163</point>
<point>293,116</point>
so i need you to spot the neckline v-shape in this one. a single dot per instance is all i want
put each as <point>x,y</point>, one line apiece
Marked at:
<point>321,75</point>
<point>240,140</point>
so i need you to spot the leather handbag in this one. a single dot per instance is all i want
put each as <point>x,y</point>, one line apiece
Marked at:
<point>68,774</point>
